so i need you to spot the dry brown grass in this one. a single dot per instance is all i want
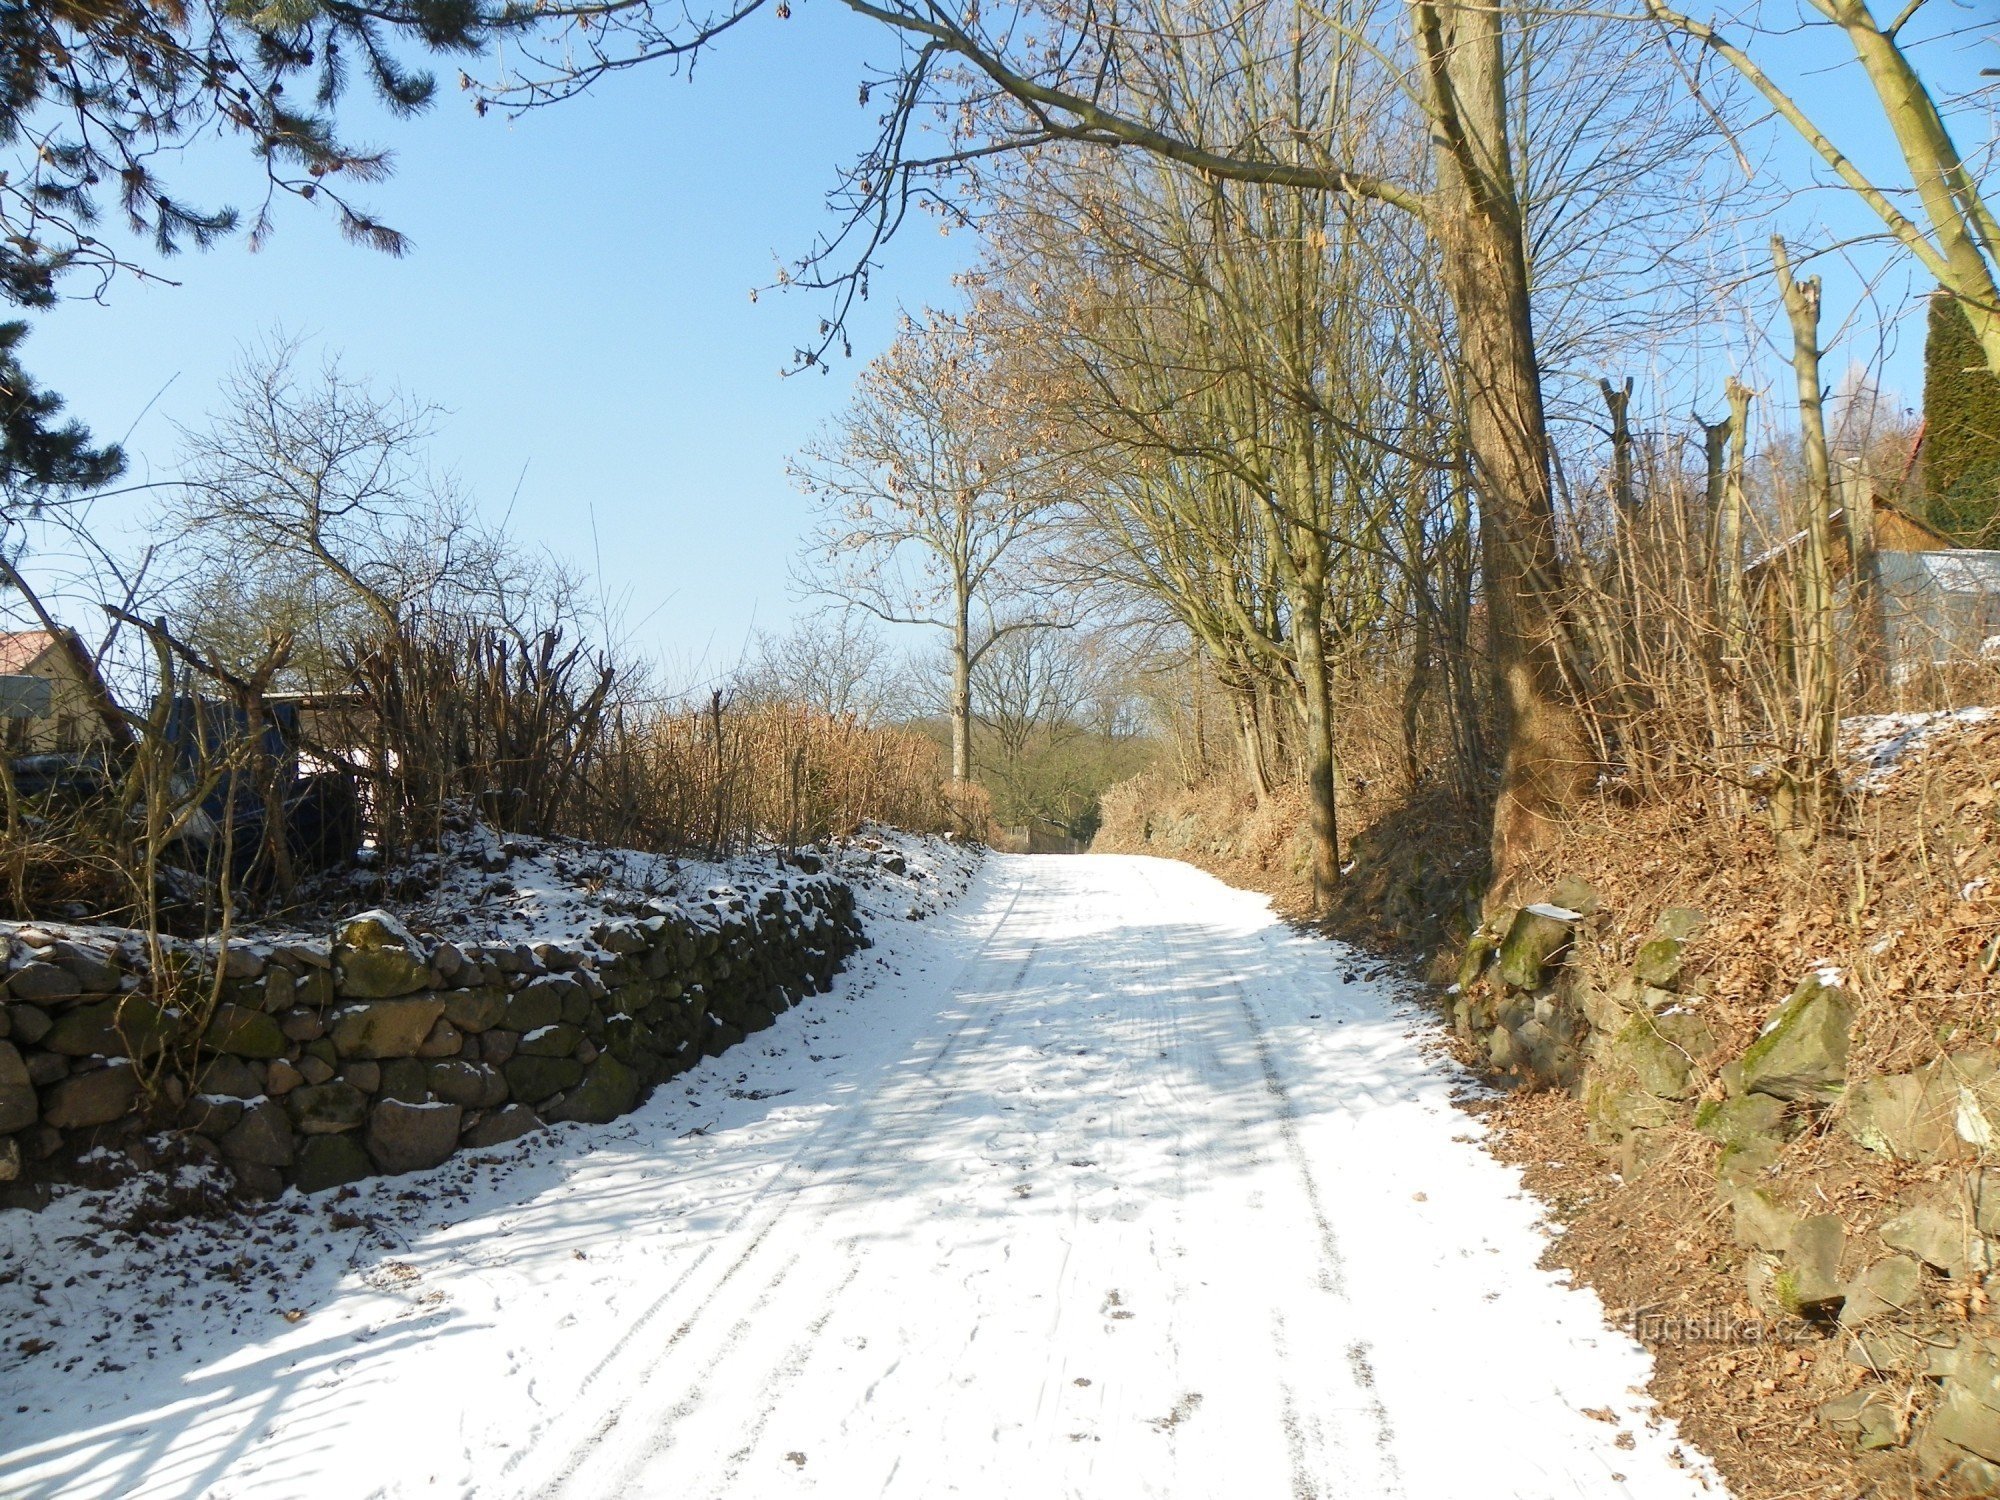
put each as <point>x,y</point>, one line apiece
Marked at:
<point>720,778</point>
<point>1662,1245</point>
<point>1891,897</point>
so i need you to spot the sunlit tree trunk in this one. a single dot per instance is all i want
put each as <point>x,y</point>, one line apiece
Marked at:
<point>1478,225</point>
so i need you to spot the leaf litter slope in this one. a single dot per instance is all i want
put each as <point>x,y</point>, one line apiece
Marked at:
<point>1104,1183</point>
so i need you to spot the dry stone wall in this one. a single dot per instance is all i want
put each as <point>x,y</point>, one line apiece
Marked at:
<point>1913,1367</point>
<point>314,1062</point>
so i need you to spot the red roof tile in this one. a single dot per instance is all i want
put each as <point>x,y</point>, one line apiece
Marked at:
<point>19,648</point>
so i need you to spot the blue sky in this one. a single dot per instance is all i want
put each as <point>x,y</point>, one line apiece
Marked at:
<point>579,299</point>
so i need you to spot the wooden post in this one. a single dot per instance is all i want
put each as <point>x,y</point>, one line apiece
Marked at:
<point>1864,589</point>
<point>1816,672</point>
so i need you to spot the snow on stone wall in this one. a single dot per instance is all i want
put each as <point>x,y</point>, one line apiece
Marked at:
<point>319,1061</point>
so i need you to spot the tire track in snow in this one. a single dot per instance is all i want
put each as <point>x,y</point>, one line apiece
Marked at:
<point>1331,1272</point>
<point>834,1136</point>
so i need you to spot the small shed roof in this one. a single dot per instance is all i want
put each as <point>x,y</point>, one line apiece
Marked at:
<point>1896,530</point>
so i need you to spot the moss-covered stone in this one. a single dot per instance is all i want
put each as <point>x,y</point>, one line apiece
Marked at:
<point>1658,1062</point>
<point>532,1007</point>
<point>1479,950</point>
<point>475,1010</point>
<point>130,1026</point>
<point>1536,939</point>
<point>406,1079</point>
<point>328,1161</point>
<point>411,1137</point>
<point>559,1040</point>
<point>474,1085</point>
<point>376,958</point>
<point>533,1079</point>
<point>505,1124</point>
<point>608,1090</point>
<point>385,1028</point>
<point>244,1032</point>
<point>326,1108</point>
<point>1614,1110</point>
<point>1659,962</point>
<point>1802,1054</point>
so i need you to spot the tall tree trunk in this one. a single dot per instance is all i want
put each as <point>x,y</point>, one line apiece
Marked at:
<point>1250,740</point>
<point>1316,694</point>
<point>1803,803</point>
<point>1967,237</point>
<point>1864,581</point>
<point>1729,601</point>
<point>961,684</point>
<point>1547,765</point>
<point>1415,688</point>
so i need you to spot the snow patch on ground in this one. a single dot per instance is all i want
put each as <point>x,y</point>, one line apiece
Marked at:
<point>1099,1181</point>
<point>1877,744</point>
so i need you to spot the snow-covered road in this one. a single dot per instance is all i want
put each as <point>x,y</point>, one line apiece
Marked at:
<point>1102,1184</point>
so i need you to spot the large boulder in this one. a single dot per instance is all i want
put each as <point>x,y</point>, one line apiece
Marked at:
<point>327,1161</point>
<point>19,1106</point>
<point>327,1108</point>
<point>412,1137</point>
<point>244,1032</point>
<point>1536,939</point>
<point>385,1028</point>
<point>377,958</point>
<point>94,1098</point>
<point>1801,1056</point>
<point>609,1089</point>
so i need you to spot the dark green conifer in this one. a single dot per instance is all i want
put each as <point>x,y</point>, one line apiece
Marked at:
<point>1961,429</point>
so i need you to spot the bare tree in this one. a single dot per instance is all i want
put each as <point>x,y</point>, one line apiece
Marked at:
<point>308,497</point>
<point>1167,79</point>
<point>831,662</point>
<point>1958,241</point>
<point>930,508</point>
